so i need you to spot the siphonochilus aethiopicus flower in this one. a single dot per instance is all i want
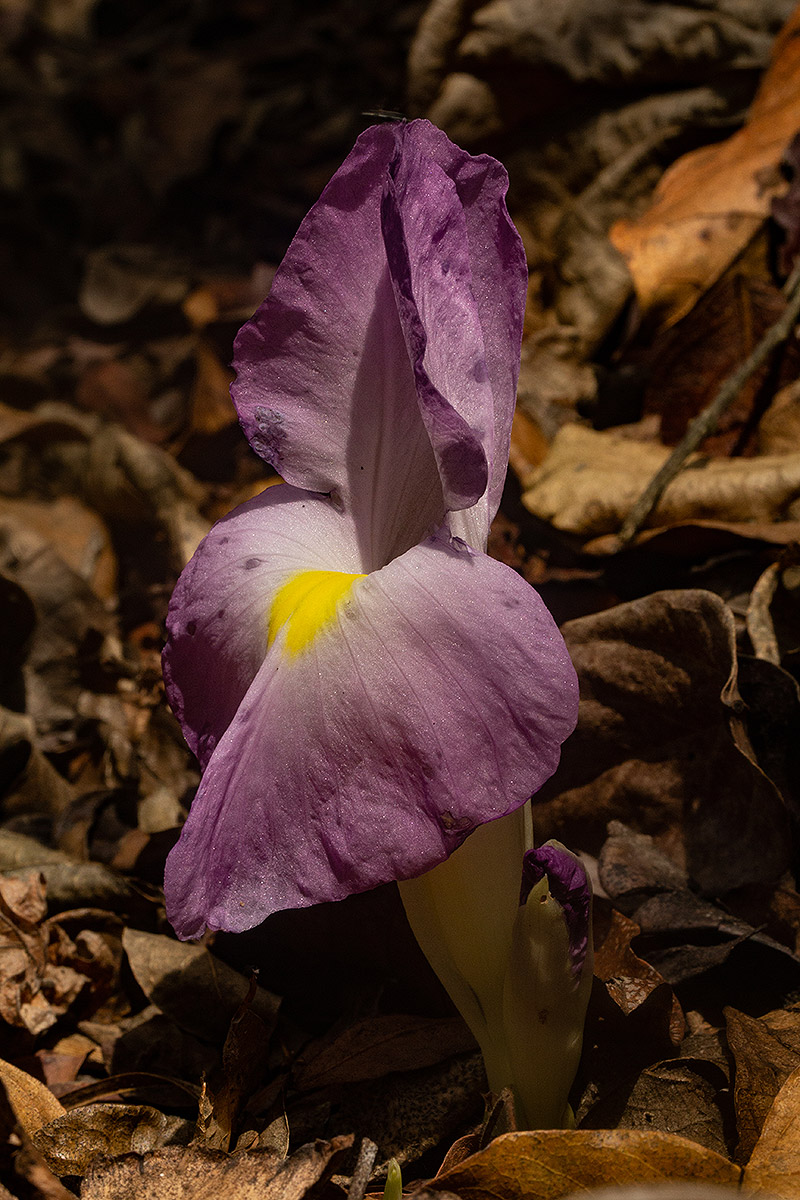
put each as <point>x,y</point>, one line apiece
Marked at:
<point>362,685</point>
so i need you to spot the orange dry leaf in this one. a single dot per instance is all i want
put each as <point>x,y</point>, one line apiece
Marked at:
<point>711,202</point>
<point>550,1163</point>
<point>774,1167</point>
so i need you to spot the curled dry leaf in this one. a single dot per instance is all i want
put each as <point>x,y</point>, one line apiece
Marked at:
<point>631,864</point>
<point>74,1140</point>
<point>590,481</point>
<point>779,428</point>
<point>689,364</point>
<point>212,407</point>
<point>660,743</point>
<point>693,541</point>
<point>630,980</point>
<point>590,100</point>
<point>765,1051</point>
<point>192,1173</point>
<point>93,884</point>
<point>712,201</point>
<point>35,988</point>
<point>120,280</point>
<point>201,993</point>
<point>119,392</point>
<point>69,614</point>
<point>545,1165</point>
<point>774,1166</point>
<point>244,1067</point>
<point>74,532</point>
<point>150,1042</point>
<point>123,478</point>
<point>34,1104</point>
<point>34,786</point>
<point>571,41</point>
<point>687,938</point>
<point>786,209</point>
<point>634,1019</point>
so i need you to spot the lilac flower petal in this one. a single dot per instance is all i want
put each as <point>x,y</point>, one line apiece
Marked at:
<point>427,237</point>
<point>325,388</point>
<point>217,620</point>
<point>436,701</point>
<point>421,210</point>
<point>496,254</point>
<point>569,886</point>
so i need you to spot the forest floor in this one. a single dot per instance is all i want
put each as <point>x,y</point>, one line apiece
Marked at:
<point>155,162</point>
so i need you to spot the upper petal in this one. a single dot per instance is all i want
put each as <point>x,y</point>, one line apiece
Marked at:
<point>438,700</point>
<point>499,281</point>
<point>325,387</point>
<point>432,292</point>
<point>427,222</point>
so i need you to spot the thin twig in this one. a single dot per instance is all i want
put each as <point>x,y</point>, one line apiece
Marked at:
<point>363,1170</point>
<point>706,421</point>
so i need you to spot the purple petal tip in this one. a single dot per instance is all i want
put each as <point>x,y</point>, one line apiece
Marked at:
<point>569,887</point>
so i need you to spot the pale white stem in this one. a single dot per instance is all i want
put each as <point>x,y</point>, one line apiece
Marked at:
<point>506,966</point>
<point>544,1008</point>
<point>462,914</point>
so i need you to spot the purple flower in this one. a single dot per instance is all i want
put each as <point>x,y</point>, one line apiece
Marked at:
<point>362,685</point>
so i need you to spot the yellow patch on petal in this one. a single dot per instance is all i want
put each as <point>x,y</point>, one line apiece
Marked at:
<point>306,604</point>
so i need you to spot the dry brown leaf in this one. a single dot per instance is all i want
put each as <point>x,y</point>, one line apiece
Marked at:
<point>712,201</point>
<point>120,391</point>
<point>765,1052</point>
<point>35,987</point>
<point>629,980</point>
<point>120,280</point>
<point>546,1165</point>
<point>39,1181</point>
<point>700,540</point>
<point>75,533</point>
<point>34,1104</point>
<point>212,407</point>
<point>779,428</point>
<point>590,481</point>
<point>91,884</point>
<point>201,993</point>
<point>774,1165</point>
<point>244,1067</point>
<point>374,1047</point>
<point>528,447</point>
<point>192,1173</point>
<point>690,362</point>
<point>71,1142</point>
<point>407,1113</point>
<point>660,743</point>
<point>37,788</point>
<point>61,1069</point>
<point>680,1096</point>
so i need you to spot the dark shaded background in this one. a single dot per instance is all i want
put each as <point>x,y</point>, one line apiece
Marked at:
<point>200,127</point>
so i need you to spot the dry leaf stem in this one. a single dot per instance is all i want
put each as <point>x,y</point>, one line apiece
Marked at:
<point>706,421</point>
